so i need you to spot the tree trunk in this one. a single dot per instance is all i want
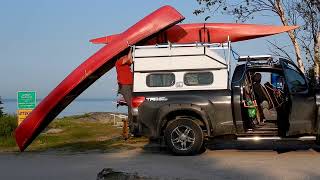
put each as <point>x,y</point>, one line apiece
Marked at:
<point>291,34</point>
<point>297,50</point>
<point>317,57</point>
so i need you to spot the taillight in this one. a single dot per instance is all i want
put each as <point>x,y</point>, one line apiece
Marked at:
<point>137,101</point>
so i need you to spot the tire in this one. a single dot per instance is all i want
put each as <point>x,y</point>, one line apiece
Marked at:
<point>318,129</point>
<point>203,149</point>
<point>318,139</point>
<point>184,137</point>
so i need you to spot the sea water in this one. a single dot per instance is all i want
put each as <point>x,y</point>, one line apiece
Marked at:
<point>78,106</point>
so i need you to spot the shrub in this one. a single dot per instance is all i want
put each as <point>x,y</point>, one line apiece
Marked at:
<point>1,108</point>
<point>8,123</point>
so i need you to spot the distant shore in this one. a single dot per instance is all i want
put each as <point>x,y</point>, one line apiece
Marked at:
<point>77,107</point>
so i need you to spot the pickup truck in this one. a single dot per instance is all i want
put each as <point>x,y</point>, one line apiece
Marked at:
<point>186,94</point>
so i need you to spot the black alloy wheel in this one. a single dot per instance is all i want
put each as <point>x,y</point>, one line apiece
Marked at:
<point>184,137</point>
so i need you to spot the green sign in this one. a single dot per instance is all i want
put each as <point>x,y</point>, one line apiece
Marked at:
<point>26,99</point>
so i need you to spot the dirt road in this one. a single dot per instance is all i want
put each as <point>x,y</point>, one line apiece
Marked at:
<point>240,161</point>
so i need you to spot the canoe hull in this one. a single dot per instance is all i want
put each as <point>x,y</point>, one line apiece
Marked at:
<point>208,33</point>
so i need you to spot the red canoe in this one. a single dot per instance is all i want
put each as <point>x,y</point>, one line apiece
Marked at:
<point>89,71</point>
<point>208,33</point>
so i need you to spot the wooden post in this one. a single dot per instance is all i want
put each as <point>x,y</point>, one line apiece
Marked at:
<point>125,129</point>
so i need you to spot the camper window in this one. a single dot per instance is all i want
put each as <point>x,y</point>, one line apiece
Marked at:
<point>198,78</point>
<point>160,80</point>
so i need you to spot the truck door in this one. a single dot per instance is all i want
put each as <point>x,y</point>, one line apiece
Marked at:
<point>236,89</point>
<point>301,103</point>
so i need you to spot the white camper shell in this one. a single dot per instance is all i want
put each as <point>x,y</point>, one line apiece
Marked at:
<point>180,67</point>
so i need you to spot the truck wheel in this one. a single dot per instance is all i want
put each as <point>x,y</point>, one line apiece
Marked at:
<point>318,140</point>
<point>203,149</point>
<point>184,137</point>
<point>318,129</point>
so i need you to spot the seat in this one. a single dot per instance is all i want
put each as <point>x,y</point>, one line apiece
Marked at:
<point>264,100</point>
<point>276,98</point>
<point>259,91</point>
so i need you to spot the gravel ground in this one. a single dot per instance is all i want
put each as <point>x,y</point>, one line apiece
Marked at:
<point>237,160</point>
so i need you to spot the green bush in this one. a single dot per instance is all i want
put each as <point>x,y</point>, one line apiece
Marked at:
<point>1,108</point>
<point>8,123</point>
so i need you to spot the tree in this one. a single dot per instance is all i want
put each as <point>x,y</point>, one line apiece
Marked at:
<point>1,108</point>
<point>247,9</point>
<point>309,11</point>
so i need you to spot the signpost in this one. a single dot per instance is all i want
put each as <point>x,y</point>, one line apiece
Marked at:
<point>26,102</point>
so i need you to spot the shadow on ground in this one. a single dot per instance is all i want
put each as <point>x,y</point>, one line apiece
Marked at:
<point>278,146</point>
<point>282,146</point>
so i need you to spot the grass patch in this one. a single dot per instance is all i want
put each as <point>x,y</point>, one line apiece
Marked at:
<point>75,134</point>
<point>7,143</point>
<point>8,123</point>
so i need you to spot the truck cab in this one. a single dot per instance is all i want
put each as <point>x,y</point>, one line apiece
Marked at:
<point>186,94</point>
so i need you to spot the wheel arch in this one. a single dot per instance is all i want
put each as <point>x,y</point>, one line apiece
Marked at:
<point>194,112</point>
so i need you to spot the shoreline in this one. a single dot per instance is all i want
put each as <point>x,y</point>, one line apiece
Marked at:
<point>77,107</point>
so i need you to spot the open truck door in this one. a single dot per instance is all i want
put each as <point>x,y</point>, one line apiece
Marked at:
<point>301,103</point>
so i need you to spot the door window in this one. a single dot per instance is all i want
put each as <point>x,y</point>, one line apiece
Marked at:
<point>295,80</point>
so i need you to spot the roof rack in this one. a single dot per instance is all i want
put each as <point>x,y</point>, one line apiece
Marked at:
<point>255,58</point>
<point>196,44</point>
<point>258,60</point>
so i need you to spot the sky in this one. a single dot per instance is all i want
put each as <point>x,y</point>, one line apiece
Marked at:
<point>42,41</point>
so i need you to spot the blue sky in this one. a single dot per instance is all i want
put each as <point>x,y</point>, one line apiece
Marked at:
<point>42,41</point>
